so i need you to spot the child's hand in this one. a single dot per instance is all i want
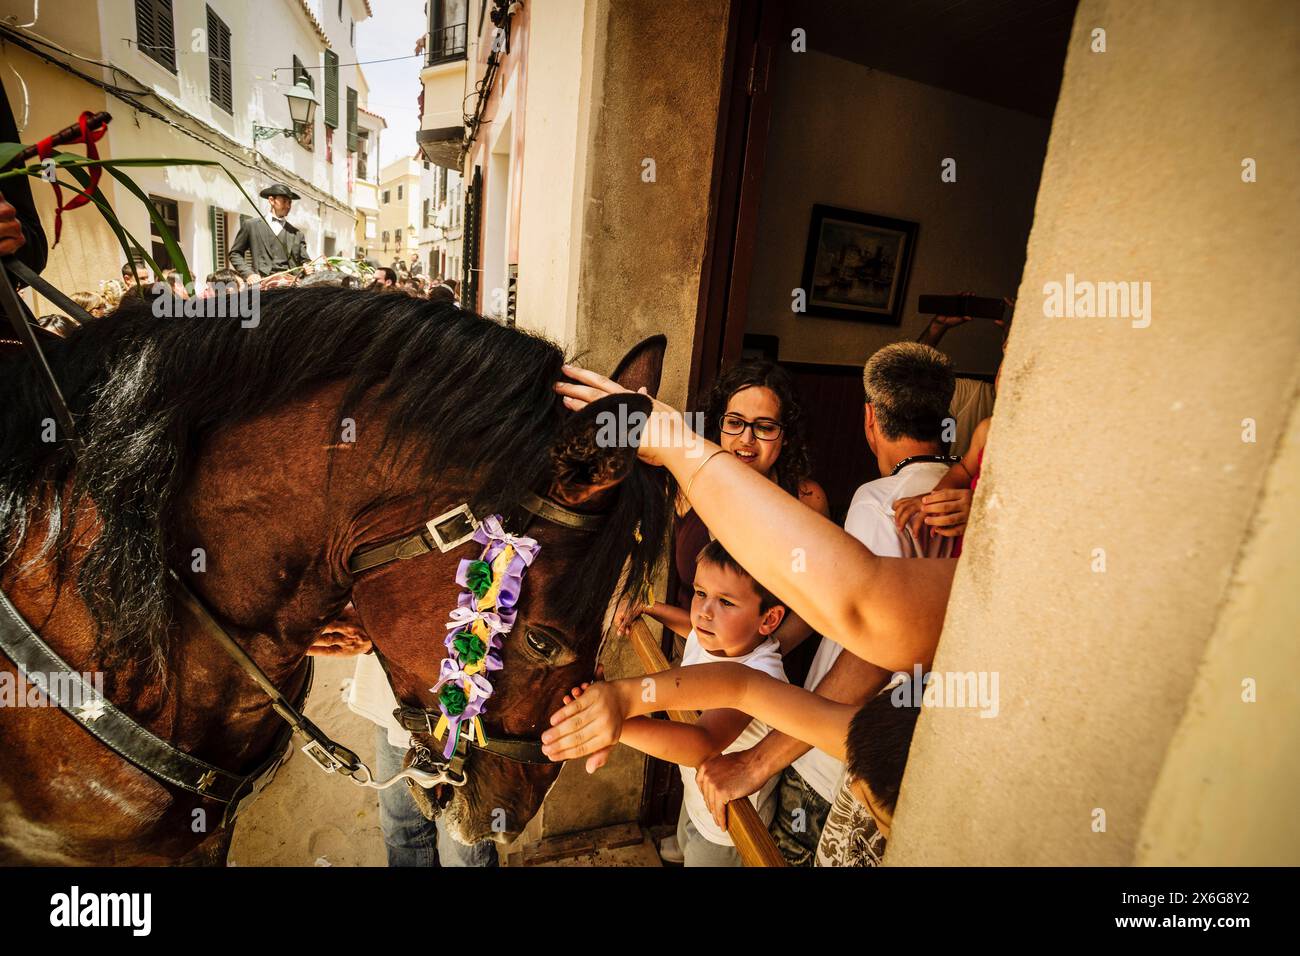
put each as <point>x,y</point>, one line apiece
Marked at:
<point>947,511</point>
<point>626,614</point>
<point>591,721</point>
<point>574,694</point>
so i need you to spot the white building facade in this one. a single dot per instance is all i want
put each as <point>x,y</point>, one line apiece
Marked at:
<point>189,80</point>
<point>399,211</point>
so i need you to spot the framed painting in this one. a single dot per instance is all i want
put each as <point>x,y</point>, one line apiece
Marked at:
<point>856,265</point>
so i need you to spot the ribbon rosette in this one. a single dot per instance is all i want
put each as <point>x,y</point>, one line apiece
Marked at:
<point>486,624</point>
<point>485,611</point>
<point>461,697</point>
<point>494,537</point>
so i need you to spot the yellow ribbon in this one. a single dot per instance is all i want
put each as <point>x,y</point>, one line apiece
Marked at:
<point>500,563</point>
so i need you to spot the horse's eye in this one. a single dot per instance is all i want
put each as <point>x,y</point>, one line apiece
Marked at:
<point>549,649</point>
<point>540,642</point>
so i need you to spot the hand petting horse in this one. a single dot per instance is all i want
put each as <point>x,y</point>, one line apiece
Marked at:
<point>260,465</point>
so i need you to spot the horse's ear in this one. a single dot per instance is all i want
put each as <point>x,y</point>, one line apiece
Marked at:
<point>643,366</point>
<point>597,448</point>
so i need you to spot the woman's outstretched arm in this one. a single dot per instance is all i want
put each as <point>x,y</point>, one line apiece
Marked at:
<point>888,611</point>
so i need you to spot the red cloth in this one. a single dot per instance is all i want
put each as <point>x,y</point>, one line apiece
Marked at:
<point>689,537</point>
<point>975,480</point>
<point>45,149</point>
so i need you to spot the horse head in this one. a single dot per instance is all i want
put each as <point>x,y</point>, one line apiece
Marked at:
<point>584,523</point>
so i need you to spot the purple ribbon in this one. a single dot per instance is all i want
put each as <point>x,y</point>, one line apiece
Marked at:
<point>450,672</point>
<point>499,621</point>
<point>494,537</point>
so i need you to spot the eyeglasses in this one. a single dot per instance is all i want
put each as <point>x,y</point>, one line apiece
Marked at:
<point>764,429</point>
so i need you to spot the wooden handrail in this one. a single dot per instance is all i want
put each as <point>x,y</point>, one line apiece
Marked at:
<point>753,842</point>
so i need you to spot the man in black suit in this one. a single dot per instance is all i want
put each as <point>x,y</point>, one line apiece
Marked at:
<point>261,249</point>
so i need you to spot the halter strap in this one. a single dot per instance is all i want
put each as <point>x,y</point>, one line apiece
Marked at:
<point>121,733</point>
<point>453,528</point>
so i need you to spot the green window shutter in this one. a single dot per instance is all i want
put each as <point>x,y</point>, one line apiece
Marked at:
<point>217,226</point>
<point>331,89</point>
<point>352,120</point>
<point>219,65</point>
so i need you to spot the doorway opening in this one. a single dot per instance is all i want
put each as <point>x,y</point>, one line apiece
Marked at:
<point>878,119</point>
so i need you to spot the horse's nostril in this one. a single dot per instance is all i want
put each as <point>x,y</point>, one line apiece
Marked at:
<point>442,794</point>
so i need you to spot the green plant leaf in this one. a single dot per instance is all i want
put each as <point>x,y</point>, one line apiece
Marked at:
<point>169,241</point>
<point>130,246</point>
<point>8,151</point>
<point>76,165</point>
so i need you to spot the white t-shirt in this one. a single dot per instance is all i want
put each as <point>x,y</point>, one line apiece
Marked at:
<point>766,657</point>
<point>870,519</point>
<point>372,698</point>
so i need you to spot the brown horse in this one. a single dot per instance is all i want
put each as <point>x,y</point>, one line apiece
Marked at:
<point>255,462</point>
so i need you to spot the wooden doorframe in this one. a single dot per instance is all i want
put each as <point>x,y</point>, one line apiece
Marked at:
<point>744,114</point>
<point>744,111</point>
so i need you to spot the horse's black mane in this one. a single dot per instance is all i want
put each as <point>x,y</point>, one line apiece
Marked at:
<point>146,391</point>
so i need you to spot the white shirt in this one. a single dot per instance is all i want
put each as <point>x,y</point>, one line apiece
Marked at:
<point>870,519</point>
<point>766,658</point>
<point>372,698</point>
<point>277,225</point>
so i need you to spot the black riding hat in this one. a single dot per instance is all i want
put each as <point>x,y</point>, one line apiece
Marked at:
<point>279,189</point>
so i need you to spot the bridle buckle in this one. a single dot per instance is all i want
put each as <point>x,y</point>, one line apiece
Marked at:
<point>322,757</point>
<point>452,528</point>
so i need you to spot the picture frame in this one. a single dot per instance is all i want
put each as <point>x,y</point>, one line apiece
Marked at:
<point>856,265</point>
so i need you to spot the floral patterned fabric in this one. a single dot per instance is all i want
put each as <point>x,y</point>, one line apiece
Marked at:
<point>850,837</point>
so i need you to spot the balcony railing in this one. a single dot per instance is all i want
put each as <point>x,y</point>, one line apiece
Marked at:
<point>446,44</point>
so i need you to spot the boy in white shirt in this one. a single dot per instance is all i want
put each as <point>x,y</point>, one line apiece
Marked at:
<point>732,620</point>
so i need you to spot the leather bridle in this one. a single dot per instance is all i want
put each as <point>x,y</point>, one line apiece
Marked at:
<point>445,533</point>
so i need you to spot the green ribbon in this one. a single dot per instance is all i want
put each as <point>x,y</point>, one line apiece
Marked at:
<point>479,577</point>
<point>453,699</point>
<point>469,647</point>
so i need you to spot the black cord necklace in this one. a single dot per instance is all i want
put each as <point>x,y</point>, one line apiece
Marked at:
<point>914,459</point>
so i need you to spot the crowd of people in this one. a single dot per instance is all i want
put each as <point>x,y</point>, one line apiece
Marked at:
<point>138,279</point>
<point>267,253</point>
<point>822,763</point>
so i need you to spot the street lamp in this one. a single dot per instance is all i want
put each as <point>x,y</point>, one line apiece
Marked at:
<point>302,110</point>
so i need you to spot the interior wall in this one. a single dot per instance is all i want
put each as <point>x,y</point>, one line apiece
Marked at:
<point>1089,591</point>
<point>849,136</point>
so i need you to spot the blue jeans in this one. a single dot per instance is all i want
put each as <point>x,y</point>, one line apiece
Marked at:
<point>797,834</point>
<point>409,838</point>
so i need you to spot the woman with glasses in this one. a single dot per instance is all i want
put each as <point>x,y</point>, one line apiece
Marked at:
<point>753,413</point>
